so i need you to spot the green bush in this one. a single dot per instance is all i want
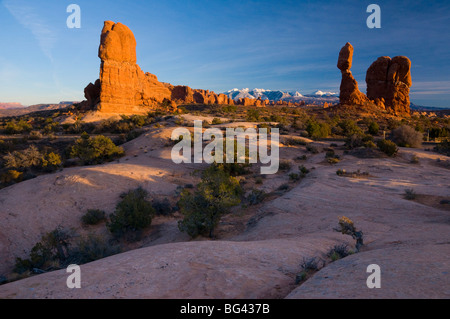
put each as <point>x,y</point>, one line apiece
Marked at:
<point>317,130</point>
<point>252,115</point>
<point>92,248</point>
<point>256,197</point>
<point>51,252</point>
<point>387,147</point>
<point>285,165</point>
<point>373,128</point>
<point>410,194</point>
<point>51,161</point>
<point>358,140</point>
<point>93,217</point>
<point>162,207</point>
<point>443,148</point>
<point>14,127</point>
<point>202,209</point>
<point>339,252</point>
<point>133,214</point>
<point>406,136</point>
<point>95,150</point>
<point>349,128</point>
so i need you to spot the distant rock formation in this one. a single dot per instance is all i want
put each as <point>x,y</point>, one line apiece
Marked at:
<point>349,91</point>
<point>388,80</point>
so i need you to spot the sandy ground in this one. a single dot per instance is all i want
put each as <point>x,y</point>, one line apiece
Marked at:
<point>261,254</point>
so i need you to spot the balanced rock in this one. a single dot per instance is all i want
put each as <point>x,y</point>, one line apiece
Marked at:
<point>349,91</point>
<point>124,87</point>
<point>390,79</point>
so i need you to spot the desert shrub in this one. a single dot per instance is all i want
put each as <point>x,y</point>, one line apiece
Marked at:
<point>338,252</point>
<point>51,161</point>
<point>438,132</point>
<point>294,141</point>
<point>393,124</point>
<point>234,168</point>
<point>333,160</point>
<point>308,266</point>
<point>93,217</point>
<point>215,195</point>
<point>30,157</point>
<point>216,121</point>
<point>162,207</point>
<point>373,128</point>
<point>303,170</point>
<point>414,159</point>
<point>317,130</point>
<point>346,227</point>
<point>387,147</point>
<point>133,214</point>
<point>406,136</point>
<point>6,147</point>
<point>14,127</point>
<point>410,194</point>
<point>349,128</point>
<point>443,148</point>
<point>311,148</point>
<point>95,150</point>
<point>283,187</point>
<point>358,140</point>
<point>229,109</point>
<point>50,253</point>
<point>294,177</point>
<point>206,124</point>
<point>92,248</point>
<point>252,115</point>
<point>266,126</point>
<point>256,197</point>
<point>11,176</point>
<point>35,135</point>
<point>285,165</point>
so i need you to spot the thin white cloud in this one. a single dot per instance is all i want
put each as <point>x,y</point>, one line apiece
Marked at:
<point>431,87</point>
<point>27,17</point>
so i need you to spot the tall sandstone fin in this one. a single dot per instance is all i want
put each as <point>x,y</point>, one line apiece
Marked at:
<point>124,87</point>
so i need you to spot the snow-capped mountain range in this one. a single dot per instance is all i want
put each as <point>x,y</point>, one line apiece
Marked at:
<point>318,97</point>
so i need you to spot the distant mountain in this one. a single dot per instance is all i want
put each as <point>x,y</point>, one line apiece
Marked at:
<point>33,108</point>
<point>426,108</point>
<point>318,97</point>
<point>10,105</point>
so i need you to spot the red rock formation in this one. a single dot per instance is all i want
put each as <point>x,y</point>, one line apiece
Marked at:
<point>92,93</point>
<point>124,87</point>
<point>349,91</point>
<point>183,94</point>
<point>389,80</point>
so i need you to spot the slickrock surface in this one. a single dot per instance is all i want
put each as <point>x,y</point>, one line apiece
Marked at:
<point>408,239</point>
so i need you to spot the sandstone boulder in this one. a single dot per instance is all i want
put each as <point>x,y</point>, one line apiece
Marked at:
<point>92,93</point>
<point>390,79</point>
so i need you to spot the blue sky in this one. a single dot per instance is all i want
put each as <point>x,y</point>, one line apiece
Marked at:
<point>221,45</point>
